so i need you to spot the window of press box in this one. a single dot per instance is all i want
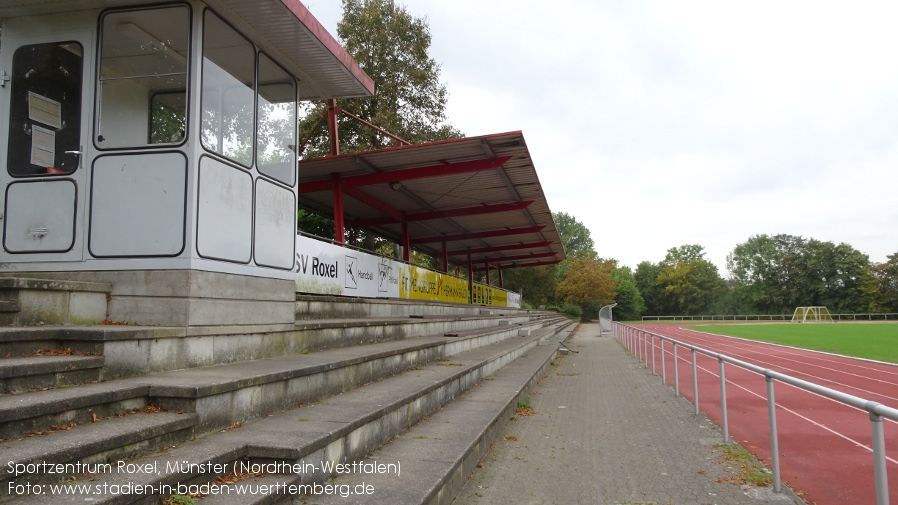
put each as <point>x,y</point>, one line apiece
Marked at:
<point>45,109</point>
<point>276,130</point>
<point>228,94</point>
<point>142,89</point>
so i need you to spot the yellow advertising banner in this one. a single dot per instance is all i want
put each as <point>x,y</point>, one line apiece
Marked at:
<point>481,294</point>
<point>416,283</point>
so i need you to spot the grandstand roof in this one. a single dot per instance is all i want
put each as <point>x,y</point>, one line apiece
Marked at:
<point>481,194</point>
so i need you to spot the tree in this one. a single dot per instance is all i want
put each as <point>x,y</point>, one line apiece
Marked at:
<point>646,278</point>
<point>575,236</point>
<point>690,283</point>
<point>886,280</point>
<point>536,284</point>
<point>588,283</point>
<point>391,46</point>
<point>630,305</point>
<point>776,274</point>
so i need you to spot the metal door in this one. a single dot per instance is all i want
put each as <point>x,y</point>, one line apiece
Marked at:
<point>46,77</point>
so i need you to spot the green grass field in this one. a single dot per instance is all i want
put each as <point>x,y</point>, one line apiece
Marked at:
<point>877,341</point>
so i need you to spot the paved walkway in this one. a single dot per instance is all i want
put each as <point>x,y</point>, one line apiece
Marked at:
<point>605,431</point>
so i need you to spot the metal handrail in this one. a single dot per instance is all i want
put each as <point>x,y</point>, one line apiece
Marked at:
<point>637,340</point>
<point>848,316</point>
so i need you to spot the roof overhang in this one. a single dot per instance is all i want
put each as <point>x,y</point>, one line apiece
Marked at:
<point>284,28</point>
<point>479,195</point>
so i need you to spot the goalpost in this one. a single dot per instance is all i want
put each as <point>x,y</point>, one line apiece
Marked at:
<point>812,315</point>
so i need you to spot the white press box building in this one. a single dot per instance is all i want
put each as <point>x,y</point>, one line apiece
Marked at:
<point>153,146</point>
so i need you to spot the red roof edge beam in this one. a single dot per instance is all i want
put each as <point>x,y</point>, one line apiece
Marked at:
<point>505,232</point>
<point>509,247</point>
<point>407,174</point>
<point>449,213</point>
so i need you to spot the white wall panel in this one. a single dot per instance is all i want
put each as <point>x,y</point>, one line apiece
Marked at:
<point>224,212</point>
<point>40,216</point>
<point>138,205</point>
<point>275,236</point>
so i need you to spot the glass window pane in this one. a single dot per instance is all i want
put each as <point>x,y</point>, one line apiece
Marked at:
<point>228,91</point>
<point>144,53</point>
<point>45,109</point>
<point>276,134</point>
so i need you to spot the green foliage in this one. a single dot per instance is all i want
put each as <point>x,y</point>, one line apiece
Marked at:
<point>646,277</point>
<point>391,46</point>
<point>180,499</point>
<point>630,305</point>
<point>536,284</point>
<point>315,224</point>
<point>689,283</point>
<point>885,277</point>
<point>588,282</point>
<point>684,283</point>
<point>775,274</point>
<point>571,310</point>
<point>575,236</point>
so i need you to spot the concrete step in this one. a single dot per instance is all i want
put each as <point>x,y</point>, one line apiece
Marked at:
<point>106,441</point>
<point>224,394</point>
<point>338,429</point>
<point>41,410</point>
<point>28,373</point>
<point>439,454</point>
<point>28,301</point>
<point>132,351</point>
<point>17,341</point>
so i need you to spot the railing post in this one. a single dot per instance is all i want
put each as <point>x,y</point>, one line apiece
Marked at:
<point>676,370</point>
<point>774,440</point>
<point>880,472</point>
<point>652,345</point>
<point>694,383</point>
<point>723,402</point>
<point>645,349</point>
<point>663,365</point>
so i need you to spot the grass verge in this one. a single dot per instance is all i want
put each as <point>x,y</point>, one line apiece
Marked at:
<point>878,341</point>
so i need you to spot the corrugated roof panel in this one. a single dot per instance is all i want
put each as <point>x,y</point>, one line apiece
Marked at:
<point>515,182</point>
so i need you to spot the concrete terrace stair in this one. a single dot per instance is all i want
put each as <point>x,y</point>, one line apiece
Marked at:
<point>138,350</point>
<point>206,399</point>
<point>27,301</point>
<point>416,379</point>
<point>21,374</point>
<point>439,454</point>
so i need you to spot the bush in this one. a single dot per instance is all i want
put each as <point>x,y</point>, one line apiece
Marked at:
<point>571,310</point>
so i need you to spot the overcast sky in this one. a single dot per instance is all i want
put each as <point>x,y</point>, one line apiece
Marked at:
<point>664,123</point>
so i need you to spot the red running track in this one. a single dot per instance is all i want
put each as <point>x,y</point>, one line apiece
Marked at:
<point>824,445</point>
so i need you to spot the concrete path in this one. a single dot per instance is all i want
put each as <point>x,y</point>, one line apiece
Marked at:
<point>605,431</point>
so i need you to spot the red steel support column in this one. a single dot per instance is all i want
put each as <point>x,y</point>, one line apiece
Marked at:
<point>486,266</point>
<point>470,277</point>
<point>501,281</point>
<point>339,226</point>
<point>332,130</point>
